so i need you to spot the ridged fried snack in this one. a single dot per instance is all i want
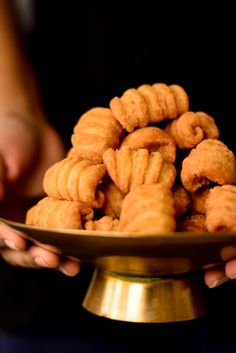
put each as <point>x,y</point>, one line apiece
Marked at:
<point>94,133</point>
<point>77,180</point>
<point>210,161</point>
<point>129,168</point>
<point>105,223</point>
<point>53,213</point>
<point>182,200</point>
<point>148,104</point>
<point>191,128</point>
<point>148,209</point>
<point>113,200</point>
<point>221,209</point>
<point>153,139</point>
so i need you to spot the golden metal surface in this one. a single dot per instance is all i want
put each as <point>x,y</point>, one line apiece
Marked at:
<point>136,254</point>
<point>145,299</point>
<point>140,278</point>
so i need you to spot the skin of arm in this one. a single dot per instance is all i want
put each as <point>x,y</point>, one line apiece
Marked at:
<point>25,153</point>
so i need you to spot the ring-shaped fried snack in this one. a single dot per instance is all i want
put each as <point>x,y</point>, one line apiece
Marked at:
<point>210,162</point>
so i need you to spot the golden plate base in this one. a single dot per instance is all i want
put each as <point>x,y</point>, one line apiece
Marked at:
<point>145,299</point>
<point>138,277</point>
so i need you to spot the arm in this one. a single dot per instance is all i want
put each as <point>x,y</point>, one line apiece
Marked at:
<point>23,128</point>
<point>24,145</point>
<point>18,89</point>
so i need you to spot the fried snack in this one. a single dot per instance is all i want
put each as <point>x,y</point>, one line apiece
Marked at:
<point>199,200</point>
<point>191,128</point>
<point>173,100</point>
<point>130,110</point>
<point>181,99</point>
<point>193,223</point>
<point>150,95</point>
<point>221,209</point>
<point>129,168</point>
<point>53,213</point>
<point>182,200</point>
<point>105,223</point>
<point>148,104</point>
<point>149,209</point>
<point>94,133</point>
<point>154,139</point>
<point>210,161</point>
<point>113,200</point>
<point>71,179</point>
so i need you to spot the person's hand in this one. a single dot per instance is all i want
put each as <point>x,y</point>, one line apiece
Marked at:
<point>14,249</point>
<point>26,152</point>
<point>27,149</point>
<point>216,276</point>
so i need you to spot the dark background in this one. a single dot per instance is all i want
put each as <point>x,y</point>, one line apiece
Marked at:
<point>85,54</point>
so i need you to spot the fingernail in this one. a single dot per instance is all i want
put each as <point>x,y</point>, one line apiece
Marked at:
<point>40,261</point>
<point>73,258</point>
<point>67,273</point>
<point>219,282</point>
<point>64,271</point>
<point>10,244</point>
<point>231,274</point>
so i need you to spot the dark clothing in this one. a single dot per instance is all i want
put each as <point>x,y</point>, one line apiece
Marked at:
<point>84,54</point>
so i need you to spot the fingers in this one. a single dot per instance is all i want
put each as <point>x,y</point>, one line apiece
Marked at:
<point>45,258</point>
<point>230,269</point>
<point>13,248</point>
<point>11,238</point>
<point>34,257</point>
<point>215,277</point>
<point>37,257</point>
<point>19,258</point>
<point>69,267</point>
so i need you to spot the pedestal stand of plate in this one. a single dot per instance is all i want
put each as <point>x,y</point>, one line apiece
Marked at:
<point>145,299</point>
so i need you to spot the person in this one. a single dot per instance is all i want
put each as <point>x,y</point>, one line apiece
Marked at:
<point>77,58</point>
<point>24,144</point>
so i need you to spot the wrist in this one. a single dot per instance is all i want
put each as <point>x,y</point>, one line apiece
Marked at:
<point>13,118</point>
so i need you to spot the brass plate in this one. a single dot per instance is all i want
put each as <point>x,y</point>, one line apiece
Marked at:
<point>136,253</point>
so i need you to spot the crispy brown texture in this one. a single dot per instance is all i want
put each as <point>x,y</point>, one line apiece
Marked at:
<point>210,161</point>
<point>113,200</point>
<point>148,209</point>
<point>182,200</point>
<point>154,139</point>
<point>199,199</point>
<point>137,107</point>
<point>54,213</point>
<point>129,168</point>
<point>130,110</point>
<point>181,99</point>
<point>71,179</point>
<point>191,128</point>
<point>221,208</point>
<point>193,223</point>
<point>105,223</point>
<point>150,95</point>
<point>167,100</point>
<point>94,133</point>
